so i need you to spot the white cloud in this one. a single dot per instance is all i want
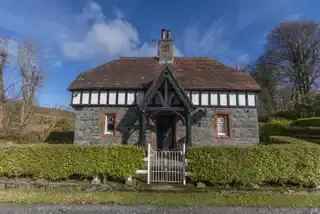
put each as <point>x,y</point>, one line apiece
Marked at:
<point>213,40</point>
<point>243,59</point>
<point>106,38</point>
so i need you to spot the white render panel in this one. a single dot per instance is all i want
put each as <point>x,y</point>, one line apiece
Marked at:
<point>85,97</point>
<point>130,98</point>
<point>195,98</point>
<point>94,97</point>
<point>232,99</point>
<point>223,100</point>
<point>76,97</point>
<point>251,100</point>
<point>213,99</point>
<point>205,98</point>
<point>112,97</point>
<point>121,98</point>
<point>242,99</point>
<point>103,98</point>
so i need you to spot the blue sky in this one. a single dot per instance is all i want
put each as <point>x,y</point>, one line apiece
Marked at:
<point>72,36</point>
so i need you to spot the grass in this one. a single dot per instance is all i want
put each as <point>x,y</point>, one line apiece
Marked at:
<point>170,199</point>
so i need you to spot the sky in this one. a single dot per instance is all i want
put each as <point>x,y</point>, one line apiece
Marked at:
<point>73,36</point>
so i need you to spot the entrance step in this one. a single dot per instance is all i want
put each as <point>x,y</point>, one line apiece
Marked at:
<point>167,187</point>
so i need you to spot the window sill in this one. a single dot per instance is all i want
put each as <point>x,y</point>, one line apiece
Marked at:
<point>223,137</point>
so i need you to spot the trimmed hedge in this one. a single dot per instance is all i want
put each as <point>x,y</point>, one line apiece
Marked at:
<point>287,164</point>
<point>286,140</point>
<point>56,162</point>
<point>60,137</point>
<point>307,122</point>
<point>276,127</point>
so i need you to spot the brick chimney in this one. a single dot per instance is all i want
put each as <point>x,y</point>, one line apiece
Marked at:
<point>165,47</point>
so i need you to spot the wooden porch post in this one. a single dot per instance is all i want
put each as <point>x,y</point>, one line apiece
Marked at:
<point>142,128</point>
<point>188,130</point>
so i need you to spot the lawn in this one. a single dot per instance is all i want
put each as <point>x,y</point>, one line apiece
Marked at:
<point>170,199</point>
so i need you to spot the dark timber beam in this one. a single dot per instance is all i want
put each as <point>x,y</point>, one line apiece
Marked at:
<point>188,130</point>
<point>160,108</point>
<point>142,134</point>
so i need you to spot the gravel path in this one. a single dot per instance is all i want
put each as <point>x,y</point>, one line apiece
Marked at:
<point>99,209</point>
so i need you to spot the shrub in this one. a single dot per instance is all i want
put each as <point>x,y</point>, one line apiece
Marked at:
<point>288,115</point>
<point>289,164</point>
<point>307,122</point>
<point>64,125</point>
<point>63,137</point>
<point>286,140</point>
<point>276,127</point>
<point>56,162</point>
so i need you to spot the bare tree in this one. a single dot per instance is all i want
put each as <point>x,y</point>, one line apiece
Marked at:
<point>31,79</point>
<point>293,48</point>
<point>3,61</point>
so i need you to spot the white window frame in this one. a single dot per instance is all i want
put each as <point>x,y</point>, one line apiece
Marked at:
<point>195,97</point>
<point>251,100</point>
<point>205,98</point>
<point>233,99</point>
<point>242,99</point>
<point>112,98</point>
<point>103,98</point>
<point>85,97</point>
<point>94,98</point>
<point>121,98</point>
<point>225,96</point>
<point>214,99</point>
<point>76,97</point>
<point>130,98</point>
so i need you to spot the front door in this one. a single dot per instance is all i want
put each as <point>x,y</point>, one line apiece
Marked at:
<point>165,132</point>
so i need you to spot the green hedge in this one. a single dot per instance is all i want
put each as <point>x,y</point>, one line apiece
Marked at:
<point>307,122</point>
<point>275,127</point>
<point>60,137</point>
<point>56,162</point>
<point>287,164</point>
<point>286,140</point>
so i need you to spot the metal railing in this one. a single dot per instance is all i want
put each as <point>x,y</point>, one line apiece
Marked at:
<point>166,166</point>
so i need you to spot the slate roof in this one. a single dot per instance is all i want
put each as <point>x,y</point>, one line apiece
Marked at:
<point>139,72</point>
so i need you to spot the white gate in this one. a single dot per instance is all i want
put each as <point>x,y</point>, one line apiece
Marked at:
<point>166,166</point>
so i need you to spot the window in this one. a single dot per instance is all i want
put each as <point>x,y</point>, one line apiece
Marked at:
<point>103,98</point>
<point>76,97</point>
<point>112,97</point>
<point>94,97</point>
<point>205,98</point>
<point>121,98</point>
<point>242,99</point>
<point>214,99</point>
<point>222,124</point>
<point>195,98</point>
<point>223,100</point>
<point>233,99</point>
<point>85,97</point>
<point>130,98</point>
<point>109,124</point>
<point>251,100</point>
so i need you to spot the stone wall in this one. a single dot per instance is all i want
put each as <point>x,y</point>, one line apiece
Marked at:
<point>243,123</point>
<point>90,123</point>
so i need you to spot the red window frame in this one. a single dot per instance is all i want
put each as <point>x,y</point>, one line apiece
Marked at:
<point>227,125</point>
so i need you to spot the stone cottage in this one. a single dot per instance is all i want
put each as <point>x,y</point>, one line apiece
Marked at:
<point>166,101</point>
